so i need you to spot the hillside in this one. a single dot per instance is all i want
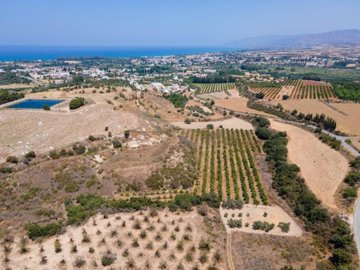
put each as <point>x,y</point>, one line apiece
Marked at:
<point>334,38</point>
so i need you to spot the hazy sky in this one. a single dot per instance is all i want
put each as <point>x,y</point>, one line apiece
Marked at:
<point>167,22</point>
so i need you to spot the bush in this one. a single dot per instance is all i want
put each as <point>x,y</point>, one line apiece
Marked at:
<point>79,149</point>
<point>234,223</point>
<point>259,95</point>
<point>232,204</point>
<point>261,121</point>
<point>263,225</point>
<point>12,159</point>
<point>127,134</point>
<point>30,155</point>
<point>46,107</point>
<point>76,103</point>
<point>107,259</point>
<point>285,97</point>
<point>210,126</point>
<point>285,227</point>
<point>352,178</point>
<point>116,143</point>
<point>35,230</point>
<point>263,133</point>
<point>187,121</point>
<point>350,192</point>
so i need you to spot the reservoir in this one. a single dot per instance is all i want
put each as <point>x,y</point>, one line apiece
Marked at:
<point>35,103</point>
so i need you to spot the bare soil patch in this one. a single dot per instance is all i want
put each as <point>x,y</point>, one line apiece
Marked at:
<point>322,167</point>
<point>235,123</point>
<point>238,104</point>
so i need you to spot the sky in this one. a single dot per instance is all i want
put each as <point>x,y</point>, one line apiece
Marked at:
<point>167,22</point>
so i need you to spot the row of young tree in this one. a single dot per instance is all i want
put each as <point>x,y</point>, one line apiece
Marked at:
<point>326,122</point>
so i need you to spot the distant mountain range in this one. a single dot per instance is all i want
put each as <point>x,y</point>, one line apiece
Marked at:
<point>334,38</point>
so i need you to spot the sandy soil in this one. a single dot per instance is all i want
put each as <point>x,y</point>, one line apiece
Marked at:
<point>116,235</point>
<point>235,123</point>
<point>322,167</point>
<point>41,131</point>
<point>347,115</point>
<point>251,213</point>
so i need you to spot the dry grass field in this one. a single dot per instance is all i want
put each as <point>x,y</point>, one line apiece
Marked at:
<point>136,240</point>
<point>322,167</point>
<point>346,115</point>
<point>269,252</point>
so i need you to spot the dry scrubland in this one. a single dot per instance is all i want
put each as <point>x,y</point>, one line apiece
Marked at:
<point>346,115</point>
<point>136,240</point>
<point>41,131</point>
<point>36,193</point>
<point>322,167</point>
<point>269,252</point>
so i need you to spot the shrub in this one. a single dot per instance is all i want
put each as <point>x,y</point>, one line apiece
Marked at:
<point>352,178</point>
<point>285,227</point>
<point>36,230</point>
<point>234,223</point>
<point>57,246</point>
<point>210,126</point>
<point>79,262</point>
<point>259,95</point>
<point>107,259</point>
<point>349,193</point>
<point>116,143</point>
<point>79,149</point>
<point>232,204</point>
<point>261,121</point>
<point>263,133</point>
<point>30,155</point>
<point>12,159</point>
<point>187,121</point>
<point>76,103</point>
<point>262,225</point>
<point>46,107</point>
<point>127,134</point>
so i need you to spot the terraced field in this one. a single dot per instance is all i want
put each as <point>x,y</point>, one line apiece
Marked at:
<point>226,165</point>
<point>204,88</point>
<point>298,89</point>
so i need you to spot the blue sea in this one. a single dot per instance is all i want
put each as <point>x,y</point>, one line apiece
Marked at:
<point>34,53</point>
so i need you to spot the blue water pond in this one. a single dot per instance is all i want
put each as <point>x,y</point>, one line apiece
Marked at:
<point>35,103</point>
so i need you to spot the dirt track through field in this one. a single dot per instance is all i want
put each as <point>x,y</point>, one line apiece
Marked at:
<point>322,167</point>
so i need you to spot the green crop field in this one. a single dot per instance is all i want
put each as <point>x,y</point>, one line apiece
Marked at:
<point>204,88</point>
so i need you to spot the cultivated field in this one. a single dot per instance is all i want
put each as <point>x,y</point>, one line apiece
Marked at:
<point>226,164</point>
<point>213,87</point>
<point>346,115</point>
<point>296,89</point>
<point>136,240</point>
<point>322,167</point>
